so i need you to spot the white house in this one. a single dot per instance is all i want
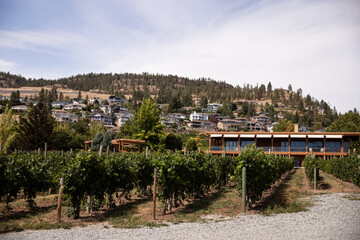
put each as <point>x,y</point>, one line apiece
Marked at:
<point>199,116</point>
<point>74,106</point>
<point>122,118</point>
<point>23,108</point>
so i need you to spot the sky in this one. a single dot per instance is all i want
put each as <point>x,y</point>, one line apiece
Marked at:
<point>313,45</point>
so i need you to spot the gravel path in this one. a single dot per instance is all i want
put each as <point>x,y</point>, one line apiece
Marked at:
<point>332,217</point>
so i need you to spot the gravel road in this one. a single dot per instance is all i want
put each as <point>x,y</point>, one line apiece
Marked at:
<point>331,217</point>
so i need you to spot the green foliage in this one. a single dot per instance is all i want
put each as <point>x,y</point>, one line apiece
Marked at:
<point>146,124</point>
<point>311,162</point>
<point>36,129</point>
<point>346,168</point>
<point>348,122</point>
<point>85,175</point>
<point>261,171</point>
<point>191,144</point>
<point>104,139</point>
<point>284,126</point>
<point>173,142</point>
<point>7,128</point>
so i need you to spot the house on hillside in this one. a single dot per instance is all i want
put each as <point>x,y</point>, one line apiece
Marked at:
<point>213,107</point>
<point>255,126</point>
<point>264,120</point>
<point>204,125</point>
<point>20,108</point>
<point>58,104</point>
<point>229,125</point>
<point>113,100</point>
<point>102,118</point>
<point>74,106</point>
<point>199,116</point>
<point>63,116</point>
<point>122,118</point>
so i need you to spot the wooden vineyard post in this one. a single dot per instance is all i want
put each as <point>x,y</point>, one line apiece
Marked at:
<point>314,178</point>
<point>45,150</point>
<point>243,191</point>
<point>147,151</point>
<point>107,150</point>
<point>0,147</point>
<point>154,195</point>
<point>58,213</point>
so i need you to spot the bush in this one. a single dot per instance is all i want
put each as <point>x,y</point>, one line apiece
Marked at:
<point>173,142</point>
<point>191,144</point>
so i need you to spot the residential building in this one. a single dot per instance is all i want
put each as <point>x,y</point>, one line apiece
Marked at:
<point>229,125</point>
<point>94,99</point>
<point>122,118</point>
<point>74,106</point>
<point>212,107</point>
<point>113,100</point>
<point>107,109</point>
<point>58,104</point>
<point>263,120</point>
<point>177,116</point>
<point>199,116</point>
<point>22,108</point>
<point>254,126</point>
<point>102,118</point>
<point>290,144</point>
<point>63,116</point>
<point>205,125</point>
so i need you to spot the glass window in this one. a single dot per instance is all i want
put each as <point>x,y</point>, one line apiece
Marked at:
<point>346,146</point>
<point>333,146</point>
<point>247,142</point>
<point>232,145</point>
<point>216,144</point>
<point>281,145</point>
<point>298,146</point>
<point>315,145</point>
<point>264,144</point>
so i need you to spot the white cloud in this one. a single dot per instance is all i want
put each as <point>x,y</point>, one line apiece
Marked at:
<point>6,65</point>
<point>312,45</point>
<point>39,41</point>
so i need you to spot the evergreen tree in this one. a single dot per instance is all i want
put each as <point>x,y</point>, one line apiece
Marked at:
<point>203,101</point>
<point>37,128</point>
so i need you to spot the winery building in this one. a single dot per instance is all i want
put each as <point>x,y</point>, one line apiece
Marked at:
<point>291,144</point>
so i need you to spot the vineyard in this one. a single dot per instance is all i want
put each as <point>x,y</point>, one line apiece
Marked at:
<point>107,177</point>
<point>345,168</point>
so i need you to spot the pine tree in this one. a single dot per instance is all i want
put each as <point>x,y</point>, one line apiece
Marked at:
<point>37,128</point>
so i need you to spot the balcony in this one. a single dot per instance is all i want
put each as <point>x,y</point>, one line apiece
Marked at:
<point>333,149</point>
<point>216,148</point>
<point>265,148</point>
<point>231,149</point>
<point>281,149</point>
<point>298,149</point>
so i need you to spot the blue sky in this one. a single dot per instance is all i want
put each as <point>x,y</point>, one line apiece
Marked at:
<point>313,45</point>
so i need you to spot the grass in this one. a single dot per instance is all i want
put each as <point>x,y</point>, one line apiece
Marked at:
<point>126,219</point>
<point>353,197</point>
<point>287,197</point>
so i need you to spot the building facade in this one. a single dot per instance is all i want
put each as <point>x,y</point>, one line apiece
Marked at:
<point>291,144</point>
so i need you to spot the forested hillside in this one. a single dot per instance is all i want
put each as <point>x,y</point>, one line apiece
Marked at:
<point>180,91</point>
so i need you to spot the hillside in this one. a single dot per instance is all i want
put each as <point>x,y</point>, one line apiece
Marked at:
<point>180,91</point>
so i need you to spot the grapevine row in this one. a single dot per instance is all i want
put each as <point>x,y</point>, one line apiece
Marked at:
<point>179,176</point>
